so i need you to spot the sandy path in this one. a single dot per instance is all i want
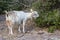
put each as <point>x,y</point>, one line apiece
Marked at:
<point>31,35</point>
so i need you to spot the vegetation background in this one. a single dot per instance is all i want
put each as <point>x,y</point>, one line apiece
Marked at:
<point>49,11</point>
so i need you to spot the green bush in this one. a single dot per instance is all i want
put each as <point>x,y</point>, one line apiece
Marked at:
<point>10,5</point>
<point>48,11</point>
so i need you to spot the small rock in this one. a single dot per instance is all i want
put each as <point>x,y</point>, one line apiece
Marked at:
<point>40,32</point>
<point>53,38</point>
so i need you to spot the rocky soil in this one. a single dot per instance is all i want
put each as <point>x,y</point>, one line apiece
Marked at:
<point>32,33</point>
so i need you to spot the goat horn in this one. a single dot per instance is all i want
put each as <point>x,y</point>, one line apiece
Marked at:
<point>31,10</point>
<point>6,12</point>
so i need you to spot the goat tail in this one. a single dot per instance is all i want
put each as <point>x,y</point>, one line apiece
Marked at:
<point>6,12</point>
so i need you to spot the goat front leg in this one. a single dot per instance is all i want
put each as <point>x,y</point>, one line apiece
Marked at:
<point>24,21</point>
<point>10,30</point>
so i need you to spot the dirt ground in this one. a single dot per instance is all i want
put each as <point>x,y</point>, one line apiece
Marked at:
<point>31,34</point>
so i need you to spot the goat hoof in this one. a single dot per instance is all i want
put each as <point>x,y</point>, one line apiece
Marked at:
<point>11,33</point>
<point>24,32</point>
<point>19,30</point>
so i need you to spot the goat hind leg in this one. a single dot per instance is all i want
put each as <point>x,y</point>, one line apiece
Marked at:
<point>10,30</point>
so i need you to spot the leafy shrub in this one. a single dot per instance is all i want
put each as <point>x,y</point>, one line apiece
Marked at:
<point>49,13</point>
<point>10,5</point>
<point>52,29</point>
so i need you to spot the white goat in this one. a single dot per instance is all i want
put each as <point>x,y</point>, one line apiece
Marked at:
<point>13,17</point>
